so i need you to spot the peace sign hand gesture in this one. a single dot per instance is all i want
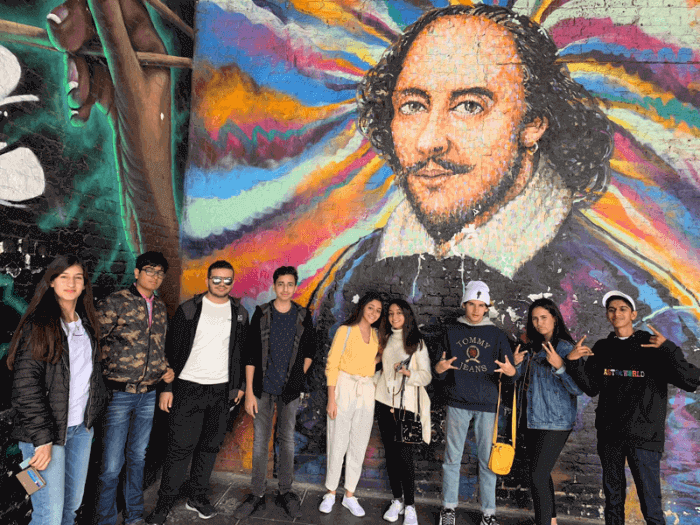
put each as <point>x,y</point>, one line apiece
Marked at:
<point>553,358</point>
<point>518,355</point>
<point>656,340</point>
<point>505,367</point>
<point>579,351</point>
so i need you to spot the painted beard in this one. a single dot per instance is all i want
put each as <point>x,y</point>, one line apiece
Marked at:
<point>442,227</point>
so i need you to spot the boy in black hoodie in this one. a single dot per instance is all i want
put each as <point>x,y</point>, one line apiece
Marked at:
<point>630,370</point>
<point>476,355</point>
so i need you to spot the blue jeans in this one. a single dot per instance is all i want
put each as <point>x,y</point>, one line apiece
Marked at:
<point>457,425</point>
<point>127,425</point>
<point>645,466</point>
<point>58,501</point>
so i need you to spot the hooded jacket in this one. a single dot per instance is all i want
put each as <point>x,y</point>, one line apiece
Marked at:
<point>632,382</point>
<point>474,385</point>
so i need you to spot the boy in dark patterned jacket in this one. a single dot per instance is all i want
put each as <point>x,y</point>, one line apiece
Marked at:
<point>280,350</point>
<point>133,325</point>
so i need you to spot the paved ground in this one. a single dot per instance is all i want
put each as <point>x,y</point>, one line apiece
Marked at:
<point>231,489</point>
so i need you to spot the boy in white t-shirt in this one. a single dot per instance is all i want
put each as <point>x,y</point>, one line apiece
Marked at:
<point>204,349</point>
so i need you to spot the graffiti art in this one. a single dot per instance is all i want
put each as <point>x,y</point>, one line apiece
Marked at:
<point>546,148</point>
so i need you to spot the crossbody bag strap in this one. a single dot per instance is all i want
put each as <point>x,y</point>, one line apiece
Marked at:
<point>498,408</point>
<point>514,418</point>
<point>403,389</point>
<point>345,344</point>
<point>524,385</point>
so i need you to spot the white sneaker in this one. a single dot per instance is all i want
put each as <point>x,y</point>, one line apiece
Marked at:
<point>394,510</point>
<point>353,506</point>
<point>410,517</point>
<point>327,503</point>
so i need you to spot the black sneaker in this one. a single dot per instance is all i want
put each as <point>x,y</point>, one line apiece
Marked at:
<point>291,504</point>
<point>249,505</point>
<point>159,514</point>
<point>202,506</point>
<point>447,516</point>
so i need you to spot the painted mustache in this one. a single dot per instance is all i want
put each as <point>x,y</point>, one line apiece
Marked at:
<point>456,169</point>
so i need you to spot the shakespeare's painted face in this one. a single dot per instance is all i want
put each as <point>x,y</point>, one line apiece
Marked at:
<point>459,105</point>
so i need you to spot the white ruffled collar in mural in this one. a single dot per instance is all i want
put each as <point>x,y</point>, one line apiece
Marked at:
<point>507,241</point>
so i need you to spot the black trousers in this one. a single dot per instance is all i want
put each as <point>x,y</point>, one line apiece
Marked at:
<point>544,447</point>
<point>645,466</point>
<point>196,428</point>
<point>400,464</point>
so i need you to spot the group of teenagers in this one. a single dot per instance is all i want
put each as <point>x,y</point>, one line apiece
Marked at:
<point>75,363</point>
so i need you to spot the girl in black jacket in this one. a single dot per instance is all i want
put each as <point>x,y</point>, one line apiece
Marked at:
<point>57,388</point>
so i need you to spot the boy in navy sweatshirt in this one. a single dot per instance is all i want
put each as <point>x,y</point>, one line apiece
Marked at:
<point>630,370</point>
<point>476,355</point>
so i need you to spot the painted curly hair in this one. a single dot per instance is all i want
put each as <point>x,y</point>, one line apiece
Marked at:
<point>578,141</point>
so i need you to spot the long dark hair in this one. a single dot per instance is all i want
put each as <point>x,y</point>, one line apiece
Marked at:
<point>356,314</point>
<point>43,315</point>
<point>560,331</point>
<point>411,334</point>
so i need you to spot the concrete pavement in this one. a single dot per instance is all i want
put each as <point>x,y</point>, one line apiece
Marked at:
<point>229,490</point>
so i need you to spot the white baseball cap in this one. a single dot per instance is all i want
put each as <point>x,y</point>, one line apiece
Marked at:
<point>476,291</point>
<point>617,293</point>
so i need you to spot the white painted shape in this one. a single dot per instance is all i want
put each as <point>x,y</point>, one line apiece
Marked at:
<point>21,175</point>
<point>10,72</point>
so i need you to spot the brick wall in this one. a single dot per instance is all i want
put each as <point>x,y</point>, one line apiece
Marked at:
<point>275,132</point>
<point>278,174</point>
<point>63,189</point>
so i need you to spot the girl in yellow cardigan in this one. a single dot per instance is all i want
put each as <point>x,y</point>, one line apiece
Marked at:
<point>350,371</point>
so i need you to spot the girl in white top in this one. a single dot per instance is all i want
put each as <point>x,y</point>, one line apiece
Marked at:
<point>350,368</point>
<point>57,387</point>
<point>405,369</point>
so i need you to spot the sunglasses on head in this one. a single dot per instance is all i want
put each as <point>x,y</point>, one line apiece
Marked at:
<point>218,280</point>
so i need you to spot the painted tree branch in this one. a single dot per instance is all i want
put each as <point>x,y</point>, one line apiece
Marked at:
<point>38,37</point>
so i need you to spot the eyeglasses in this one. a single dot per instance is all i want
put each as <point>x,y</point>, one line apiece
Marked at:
<point>152,271</point>
<point>228,281</point>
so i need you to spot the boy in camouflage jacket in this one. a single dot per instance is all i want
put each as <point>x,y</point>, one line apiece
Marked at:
<point>133,325</point>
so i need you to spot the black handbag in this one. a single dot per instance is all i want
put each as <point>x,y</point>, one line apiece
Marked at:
<point>409,428</point>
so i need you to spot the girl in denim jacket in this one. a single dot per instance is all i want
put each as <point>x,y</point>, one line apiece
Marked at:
<point>551,400</point>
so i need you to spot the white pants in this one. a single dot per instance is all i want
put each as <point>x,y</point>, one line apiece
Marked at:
<point>347,435</point>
